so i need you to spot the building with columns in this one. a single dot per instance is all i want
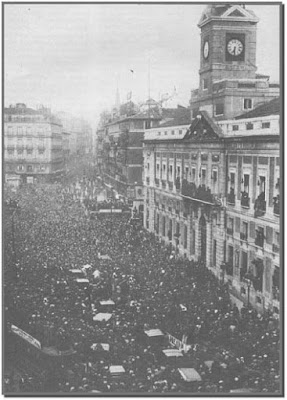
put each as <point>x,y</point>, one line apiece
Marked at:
<point>211,186</point>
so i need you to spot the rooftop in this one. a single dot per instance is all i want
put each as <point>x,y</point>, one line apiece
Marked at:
<point>270,108</point>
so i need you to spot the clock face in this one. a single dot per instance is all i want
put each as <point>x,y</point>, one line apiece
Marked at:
<point>206,49</point>
<point>234,47</point>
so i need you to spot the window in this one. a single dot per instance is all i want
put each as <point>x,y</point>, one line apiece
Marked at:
<point>165,132</point>
<point>20,131</point>
<point>178,171</point>
<point>158,133</point>
<point>193,172</point>
<point>244,233</point>
<point>20,167</point>
<point>214,176</point>
<point>157,167</point>
<point>170,170</point>
<point>186,172</point>
<point>230,225</point>
<point>247,104</point>
<point>29,151</point>
<point>219,109</point>
<point>10,131</point>
<point>249,126</point>
<point>148,166</point>
<point>42,167</point>
<point>203,176</point>
<point>232,180</point>
<point>205,84</point>
<point>246,183</point>
<point>262,184</point>
<point>235,127</point>
<point>180,131</point>
<point>277,238</point>
<point>172,132</point>
<point>265,125</point>
<point>10,151</point>
<point>29,168</point>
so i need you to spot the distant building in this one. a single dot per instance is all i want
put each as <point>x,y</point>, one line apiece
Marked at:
<point>120,148</point>
<point>33,144</point>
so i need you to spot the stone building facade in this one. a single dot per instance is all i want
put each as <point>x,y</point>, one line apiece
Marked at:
<point>212,187</point>
<point>33,144</point>
<point>212,191</point>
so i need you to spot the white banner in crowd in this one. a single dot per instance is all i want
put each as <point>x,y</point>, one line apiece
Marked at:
<point>180,345</point>
<point>26,336</point>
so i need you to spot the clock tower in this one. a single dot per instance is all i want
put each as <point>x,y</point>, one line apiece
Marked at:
<point>228,44</point>
<point>228,83</point>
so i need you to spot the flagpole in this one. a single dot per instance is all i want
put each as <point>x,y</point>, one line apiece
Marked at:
<point>149,89</point>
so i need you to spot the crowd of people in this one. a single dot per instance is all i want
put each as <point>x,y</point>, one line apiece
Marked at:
<point>151,287</point>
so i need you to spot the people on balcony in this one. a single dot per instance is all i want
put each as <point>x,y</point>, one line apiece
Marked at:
<point>260,203</point>
<point>245,199</point>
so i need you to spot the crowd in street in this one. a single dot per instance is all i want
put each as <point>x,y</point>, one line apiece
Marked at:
<point>53,235</point>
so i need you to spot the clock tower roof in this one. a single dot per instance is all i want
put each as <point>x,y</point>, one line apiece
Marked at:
<point>226,12</point>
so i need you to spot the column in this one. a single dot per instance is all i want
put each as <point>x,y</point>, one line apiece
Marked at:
<point>208,244</point>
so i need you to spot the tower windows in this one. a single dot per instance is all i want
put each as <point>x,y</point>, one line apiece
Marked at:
<point>219,109</point>
<point>247,104</point>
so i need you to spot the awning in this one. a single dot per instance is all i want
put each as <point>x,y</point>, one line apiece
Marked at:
<point>172,353</point>
<point>102,317</point>
<point>154,332</point>
<point>76,271</point>
<point>117,369</point>
<point>107,303</point>
<point>100,346</point>
<point>105,257</point>
<point>82,281</point>
<point>189,374</point>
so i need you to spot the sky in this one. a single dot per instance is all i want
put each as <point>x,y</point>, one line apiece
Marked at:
<point>72,57</point>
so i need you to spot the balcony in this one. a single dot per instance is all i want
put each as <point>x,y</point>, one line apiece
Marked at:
<point>260,206</point>
<point>243,236</point>
<point>276,205</point>
<point>229,231</point>
<point>259,240</point>
<point>245,200</point>
<point>231,198</point>
<point>163,183</point>
<point>170,185</point>
<point>156,181</point>
<point>197,193</point>
<point>275,248</point>
<point>147,181</point>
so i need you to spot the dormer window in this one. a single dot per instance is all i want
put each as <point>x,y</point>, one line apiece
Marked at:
<point>247,104</point>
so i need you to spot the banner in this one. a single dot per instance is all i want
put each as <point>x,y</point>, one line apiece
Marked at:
<point>180,345</point>
<point>26,336</point>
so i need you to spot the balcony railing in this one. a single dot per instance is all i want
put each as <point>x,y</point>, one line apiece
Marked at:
<point>197,193</point>
<point>260,206</point>
<point>276,203</point>
<point>163,183</point>
<point>243,236</point>
<point>170,185</point>
<point>231,198</point>
<point>275,248</point>
<point>245,200</point>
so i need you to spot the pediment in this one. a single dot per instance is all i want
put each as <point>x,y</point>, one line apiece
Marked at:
<point>202,129</point>
<point>237,11</point>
